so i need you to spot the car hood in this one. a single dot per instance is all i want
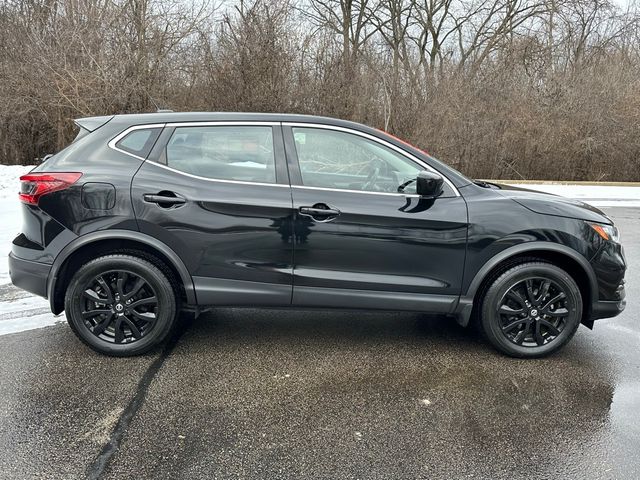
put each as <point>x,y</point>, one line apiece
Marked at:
<point>549,204</point>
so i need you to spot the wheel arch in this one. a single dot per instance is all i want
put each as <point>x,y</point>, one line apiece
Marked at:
<point>570,260</point>
<point>100,243</point>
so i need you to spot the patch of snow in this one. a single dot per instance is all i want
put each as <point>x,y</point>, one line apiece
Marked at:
<point>26,304</point>
<point>9,179</point>
<point>33,322</point>
<point>10,217</point>
<point>25,313</point>
<point>17,313</point>
<point>596,195</point>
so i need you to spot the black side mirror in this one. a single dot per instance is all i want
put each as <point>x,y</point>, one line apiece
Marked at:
<point>429,184</point>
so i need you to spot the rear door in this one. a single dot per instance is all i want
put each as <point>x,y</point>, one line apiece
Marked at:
<point>218,194</point>
<point>360,242</point>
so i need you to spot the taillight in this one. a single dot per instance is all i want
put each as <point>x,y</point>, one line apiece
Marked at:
<point>35,185</point>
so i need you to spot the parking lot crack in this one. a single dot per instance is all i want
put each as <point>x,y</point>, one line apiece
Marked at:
<point>99,466</point>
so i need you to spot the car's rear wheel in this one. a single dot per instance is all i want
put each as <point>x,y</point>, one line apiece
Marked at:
<point>121,305</point>
<point>531,310</point>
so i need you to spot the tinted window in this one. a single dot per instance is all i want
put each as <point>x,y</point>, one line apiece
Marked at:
<point>139,142</point>
<point>334,159</point>
<point>242,153</point>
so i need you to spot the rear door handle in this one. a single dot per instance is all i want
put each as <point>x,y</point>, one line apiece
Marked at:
<point>164,200</point>
<point>320,212</point>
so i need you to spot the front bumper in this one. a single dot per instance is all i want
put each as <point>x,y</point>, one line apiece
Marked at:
<point>609,265</point>
<point>610,308</point>
<point>605,309</point>
<point>28,275</point>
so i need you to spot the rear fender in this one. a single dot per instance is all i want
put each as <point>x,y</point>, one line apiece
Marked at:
<point>130,235</point>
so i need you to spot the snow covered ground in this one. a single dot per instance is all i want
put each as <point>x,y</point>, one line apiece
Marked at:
<point>596,195</point>
<point>10,217</point>
<point>21,311</point>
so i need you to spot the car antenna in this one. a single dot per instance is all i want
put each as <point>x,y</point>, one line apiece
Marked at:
<point>158,109</point>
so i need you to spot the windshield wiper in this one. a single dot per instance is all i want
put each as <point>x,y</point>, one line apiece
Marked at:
<point>483,184</point>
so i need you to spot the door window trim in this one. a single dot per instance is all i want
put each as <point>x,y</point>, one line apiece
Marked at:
<point>374,139</point>
<point>113,142</point>
<point>223,123</point>
<point>278,144</point>
<point>280,131</point>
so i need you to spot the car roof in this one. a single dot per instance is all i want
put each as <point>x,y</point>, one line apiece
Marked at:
<point>166,117</point>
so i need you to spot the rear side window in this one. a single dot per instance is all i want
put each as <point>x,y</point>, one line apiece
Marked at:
<point>243,153</point>
<point>139,142</point>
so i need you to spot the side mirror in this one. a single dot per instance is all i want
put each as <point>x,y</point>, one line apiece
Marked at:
<point>429,184</point>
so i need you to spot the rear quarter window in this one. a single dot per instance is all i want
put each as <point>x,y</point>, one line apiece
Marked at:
<point>139,142</point>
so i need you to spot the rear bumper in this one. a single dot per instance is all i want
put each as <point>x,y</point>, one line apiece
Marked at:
<point>28,275</point>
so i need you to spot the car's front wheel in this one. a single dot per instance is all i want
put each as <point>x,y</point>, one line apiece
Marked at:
<point>121,305</point>
<point>531,310</point>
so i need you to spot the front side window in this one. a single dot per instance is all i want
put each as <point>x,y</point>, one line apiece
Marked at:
<point>340,160</point>
<point>243,153</point>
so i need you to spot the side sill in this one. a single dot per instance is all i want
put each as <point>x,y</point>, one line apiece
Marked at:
<point>225,292</point>
<point>321,297</point>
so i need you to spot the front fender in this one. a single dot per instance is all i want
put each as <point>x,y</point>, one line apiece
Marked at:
<point>523,248</point>
<point>465,304</point>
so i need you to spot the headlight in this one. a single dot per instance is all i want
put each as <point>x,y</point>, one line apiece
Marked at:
<point>607,232</point>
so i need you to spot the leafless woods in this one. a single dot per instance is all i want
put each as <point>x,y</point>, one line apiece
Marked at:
<point>541,89</point>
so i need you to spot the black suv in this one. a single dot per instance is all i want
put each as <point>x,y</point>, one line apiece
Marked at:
<point>144,216</point>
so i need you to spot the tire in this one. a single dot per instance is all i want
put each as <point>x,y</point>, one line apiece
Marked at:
<point>531,310</point>
<point>121,305</point>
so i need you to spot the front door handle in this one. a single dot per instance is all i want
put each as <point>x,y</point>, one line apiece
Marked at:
<point>320,212</point>
<point>166,199</point>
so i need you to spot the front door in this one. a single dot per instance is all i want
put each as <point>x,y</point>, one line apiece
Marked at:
<point>219,196</point>
<point>360,243</point>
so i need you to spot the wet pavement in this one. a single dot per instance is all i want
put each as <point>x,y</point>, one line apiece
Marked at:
<point>292,394</point>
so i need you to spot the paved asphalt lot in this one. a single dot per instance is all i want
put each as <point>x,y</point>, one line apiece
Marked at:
<point>273,394</point>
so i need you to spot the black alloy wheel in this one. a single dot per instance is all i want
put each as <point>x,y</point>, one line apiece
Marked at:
<point>121,305</point>
<point>531,310</point>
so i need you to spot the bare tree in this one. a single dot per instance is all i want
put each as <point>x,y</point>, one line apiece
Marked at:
<point>499,88</point>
